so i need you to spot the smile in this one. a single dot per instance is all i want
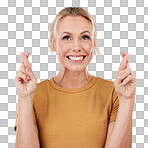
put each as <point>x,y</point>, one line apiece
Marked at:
<point>76,59</point>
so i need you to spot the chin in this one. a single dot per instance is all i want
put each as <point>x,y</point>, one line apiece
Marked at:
<point>76,68</point>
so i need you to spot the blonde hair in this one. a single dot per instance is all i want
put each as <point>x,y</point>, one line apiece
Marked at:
<point>73,11</point>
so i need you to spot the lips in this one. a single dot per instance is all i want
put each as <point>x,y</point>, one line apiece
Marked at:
<point>76,55</point>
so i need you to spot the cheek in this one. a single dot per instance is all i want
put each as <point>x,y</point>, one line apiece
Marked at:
<point>62,49</point>
<point>88,48</point>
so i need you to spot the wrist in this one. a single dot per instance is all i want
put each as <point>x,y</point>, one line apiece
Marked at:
<point>25,99</point>
<point>127,102</point>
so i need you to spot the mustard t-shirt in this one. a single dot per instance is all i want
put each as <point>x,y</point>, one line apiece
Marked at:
<point>74,118</point>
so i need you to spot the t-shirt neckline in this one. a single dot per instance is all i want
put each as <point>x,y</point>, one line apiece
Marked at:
<point>72,90</point>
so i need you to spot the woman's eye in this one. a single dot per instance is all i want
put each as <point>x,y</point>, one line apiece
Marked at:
<point>85,36</point>
<point>68,37</point>
<point>65,37</point>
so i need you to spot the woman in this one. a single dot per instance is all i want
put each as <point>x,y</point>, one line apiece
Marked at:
<point>74,109</point>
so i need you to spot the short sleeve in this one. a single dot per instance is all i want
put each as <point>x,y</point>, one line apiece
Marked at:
<point>34,118</point>
<point>115,106</point>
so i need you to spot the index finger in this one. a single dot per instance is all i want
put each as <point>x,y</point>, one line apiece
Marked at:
<point>25,60</point>
<point>124,63</point>
<point>128,62</point>
<point>123,55</point>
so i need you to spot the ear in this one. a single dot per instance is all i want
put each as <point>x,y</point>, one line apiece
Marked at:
<point>52,45</point>
<point>94,45</point>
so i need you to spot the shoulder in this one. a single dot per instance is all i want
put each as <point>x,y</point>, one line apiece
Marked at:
<point>42,84</point>
<point>107,89</point>
<point>105,84</point>
<point>41,87</point>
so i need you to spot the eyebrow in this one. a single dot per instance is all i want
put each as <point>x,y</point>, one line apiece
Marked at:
<point>71,33</point>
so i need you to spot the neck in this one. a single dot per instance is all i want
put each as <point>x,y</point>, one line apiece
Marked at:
<point>70,79</point>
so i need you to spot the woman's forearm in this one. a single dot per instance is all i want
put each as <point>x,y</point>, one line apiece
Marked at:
<point>121,136</point>
<point>26,131</point>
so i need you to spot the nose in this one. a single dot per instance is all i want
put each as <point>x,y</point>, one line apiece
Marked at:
<point>76,45</point>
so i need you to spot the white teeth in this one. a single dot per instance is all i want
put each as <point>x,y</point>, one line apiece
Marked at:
<point>76,58</point>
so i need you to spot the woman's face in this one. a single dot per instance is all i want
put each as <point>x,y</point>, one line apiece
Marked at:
<point>74,38</point>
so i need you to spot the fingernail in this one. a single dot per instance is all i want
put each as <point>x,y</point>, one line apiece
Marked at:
<point>28,77</point>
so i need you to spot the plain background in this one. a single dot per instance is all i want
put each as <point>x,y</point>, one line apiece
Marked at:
<point>25,27</point>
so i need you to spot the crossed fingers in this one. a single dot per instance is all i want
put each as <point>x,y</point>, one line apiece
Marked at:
<point>25,60</point>
<point>125,61</point>
<point>24,63</point>
<point>124,69</point>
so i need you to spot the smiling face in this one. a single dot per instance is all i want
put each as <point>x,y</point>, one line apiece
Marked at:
<point>74,37</point>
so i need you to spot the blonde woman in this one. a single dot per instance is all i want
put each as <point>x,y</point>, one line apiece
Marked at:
<point>74,109</point>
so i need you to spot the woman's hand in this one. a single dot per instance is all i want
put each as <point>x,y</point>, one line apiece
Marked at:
<point>25,80</point>
<point>125,83</point>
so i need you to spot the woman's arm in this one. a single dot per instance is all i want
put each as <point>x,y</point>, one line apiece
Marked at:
<point>26,131</point>
<point>121,135</point>
<point>125,86</point>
